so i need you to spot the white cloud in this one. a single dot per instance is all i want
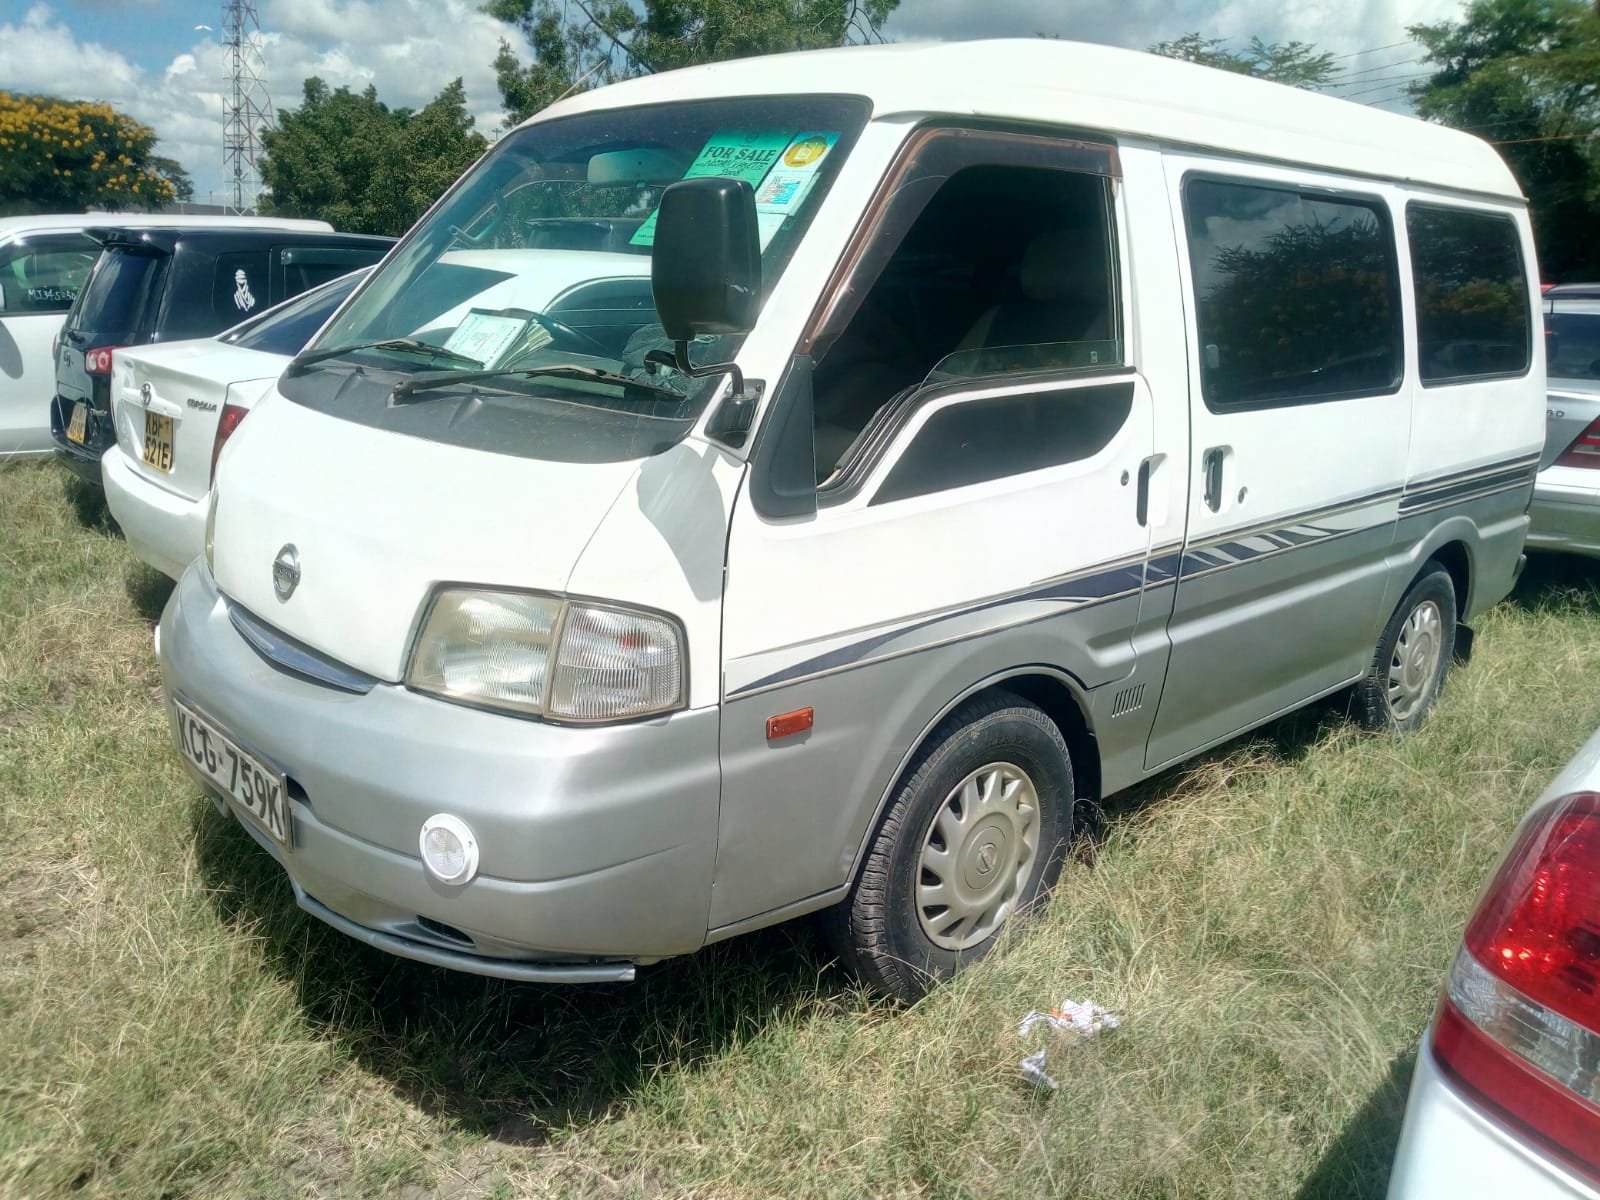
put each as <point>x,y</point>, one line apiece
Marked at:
<point>408,49</point>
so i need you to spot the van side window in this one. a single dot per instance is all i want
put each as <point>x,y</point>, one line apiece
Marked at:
<point>239,287</point>
<point>1296,295</point>
<point>1005,270</point>
<point>1472,293</point>
<point>44,274</point>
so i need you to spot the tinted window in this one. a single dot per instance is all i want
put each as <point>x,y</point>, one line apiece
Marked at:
<point>1000,436</point>
<point>306,267</point>
<point>286,330</point>
<point>1005,270</point>
<point>1572,344</point>
<point>239,287</point>
<point>118,293</point>
<point>1472,293</point>
<point>1296,295</point>
<point>45,274</point>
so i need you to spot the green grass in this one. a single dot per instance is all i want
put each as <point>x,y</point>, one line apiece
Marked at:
<point>1272,923</point>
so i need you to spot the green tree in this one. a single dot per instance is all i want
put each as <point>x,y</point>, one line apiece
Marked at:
<point>348,158</point>
<point>1525,75</point>
<point>68,156</point>
<point>1297,63</point>
<point>597,41</point>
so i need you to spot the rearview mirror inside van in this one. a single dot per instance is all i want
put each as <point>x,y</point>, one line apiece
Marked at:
<point>706,270</point>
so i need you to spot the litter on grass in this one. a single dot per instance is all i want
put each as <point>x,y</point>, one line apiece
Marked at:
<point>1071,1022</point>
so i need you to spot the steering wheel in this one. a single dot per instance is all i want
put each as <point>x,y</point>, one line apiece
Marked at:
<point>560,331</point>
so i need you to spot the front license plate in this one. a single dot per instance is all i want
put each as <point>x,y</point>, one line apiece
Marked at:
<point>158,441</point>
<point>241,776</point>
<point>79,424</point>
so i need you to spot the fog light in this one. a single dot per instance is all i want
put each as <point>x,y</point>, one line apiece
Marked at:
<point>449,851</point>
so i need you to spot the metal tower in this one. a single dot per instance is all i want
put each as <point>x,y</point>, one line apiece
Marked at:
<point>247,109</point>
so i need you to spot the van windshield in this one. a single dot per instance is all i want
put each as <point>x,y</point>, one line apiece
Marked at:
<point>541,257</point>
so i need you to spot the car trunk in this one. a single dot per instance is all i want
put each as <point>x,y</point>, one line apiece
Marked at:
<point>170,401</point>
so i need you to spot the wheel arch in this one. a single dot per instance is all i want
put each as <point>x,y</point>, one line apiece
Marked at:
<point>1057,693</point>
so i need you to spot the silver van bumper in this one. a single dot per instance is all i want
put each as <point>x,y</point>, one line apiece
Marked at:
<point>597,844</point>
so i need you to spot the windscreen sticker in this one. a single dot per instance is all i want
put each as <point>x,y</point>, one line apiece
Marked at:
<point>732,154</point>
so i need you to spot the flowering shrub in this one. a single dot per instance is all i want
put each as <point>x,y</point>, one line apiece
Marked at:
<point>68,155</point>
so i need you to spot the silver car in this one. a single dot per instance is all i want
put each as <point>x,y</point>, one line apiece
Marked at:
<point>1505,1102</point>
<point>1566,496</point>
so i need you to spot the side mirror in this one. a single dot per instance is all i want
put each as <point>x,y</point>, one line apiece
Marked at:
<point>705,272</point>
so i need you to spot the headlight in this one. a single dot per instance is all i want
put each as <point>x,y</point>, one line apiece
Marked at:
<point>211,532</point>
<point>542,656</point>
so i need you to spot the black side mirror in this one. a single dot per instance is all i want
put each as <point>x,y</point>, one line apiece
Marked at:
<point>705,270</point>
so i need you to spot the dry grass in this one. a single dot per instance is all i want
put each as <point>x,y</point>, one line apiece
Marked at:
<point>1271,922</point>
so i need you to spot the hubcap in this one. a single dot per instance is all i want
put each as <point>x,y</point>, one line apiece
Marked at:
<point>1415,661</point>
<point>977,856</point>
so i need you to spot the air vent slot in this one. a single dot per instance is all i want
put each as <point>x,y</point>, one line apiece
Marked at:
<point>1127,700</point>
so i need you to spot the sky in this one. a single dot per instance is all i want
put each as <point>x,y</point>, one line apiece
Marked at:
<point>161,61</point>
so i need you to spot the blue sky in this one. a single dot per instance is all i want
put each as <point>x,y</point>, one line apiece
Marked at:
<point>148,58</point>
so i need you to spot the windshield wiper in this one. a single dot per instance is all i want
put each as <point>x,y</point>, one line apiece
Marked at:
<point>412,345</point>
<point>410,387</point>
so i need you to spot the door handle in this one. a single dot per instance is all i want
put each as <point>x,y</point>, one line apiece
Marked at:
<point>1211,469</point>
<point>1142,503</point>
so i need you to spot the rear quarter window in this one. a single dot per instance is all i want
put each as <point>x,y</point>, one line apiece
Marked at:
<point>1473,318</point>
<point>44,274</point>
<point>287,330</point>
<point>239,287</point>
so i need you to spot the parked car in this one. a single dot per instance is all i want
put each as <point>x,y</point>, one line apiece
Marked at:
<point>175,407</point>
<point>44,261</point>
<point>1505,1100</point>
<point>1566,496</point>
<point>844,477</point>
<point>171,284</point>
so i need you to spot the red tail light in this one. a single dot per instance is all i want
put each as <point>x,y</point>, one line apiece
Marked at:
<point>1585,449</point>
<point>98,361</point>
<point>1519,1023</point>
<point>232,415</point>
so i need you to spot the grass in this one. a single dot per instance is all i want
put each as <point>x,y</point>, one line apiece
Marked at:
<point>1272,923</point>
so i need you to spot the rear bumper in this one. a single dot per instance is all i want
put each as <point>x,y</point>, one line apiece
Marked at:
<point>1565,514</point>
<point>163,528</point>
<point>1450,1150</point>
<point>598,844</point>
<point>99,436</point>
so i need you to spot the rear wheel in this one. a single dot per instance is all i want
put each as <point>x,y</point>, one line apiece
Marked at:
<point>975,833</point>
<point>1412,658</point>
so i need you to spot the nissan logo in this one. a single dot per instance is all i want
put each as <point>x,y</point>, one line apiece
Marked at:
<point>286,572</point>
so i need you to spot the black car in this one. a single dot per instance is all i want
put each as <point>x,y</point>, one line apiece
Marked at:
<point>166,284</point>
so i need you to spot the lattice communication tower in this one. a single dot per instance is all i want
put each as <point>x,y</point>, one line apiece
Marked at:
<point>247,109</point>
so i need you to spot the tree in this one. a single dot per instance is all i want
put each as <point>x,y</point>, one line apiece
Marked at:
<point>68,156</point>
<point>1525,74</point>
<point>1297,63</point>
<point>349,159</point>
<point>611,39</point>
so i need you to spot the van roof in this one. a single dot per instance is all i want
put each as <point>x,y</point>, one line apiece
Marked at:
<point>1096,88</point>
<point>50,222</point>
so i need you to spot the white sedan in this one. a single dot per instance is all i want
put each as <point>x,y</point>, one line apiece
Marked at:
<point>1505,1101</point>
<point>175,406</point>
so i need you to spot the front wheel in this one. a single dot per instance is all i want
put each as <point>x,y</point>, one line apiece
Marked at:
<point>975,833</point>
<point>1412,658</point>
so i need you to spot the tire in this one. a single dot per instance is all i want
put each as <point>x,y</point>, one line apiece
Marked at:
<point>956,819</point>
<point>1412,658</point>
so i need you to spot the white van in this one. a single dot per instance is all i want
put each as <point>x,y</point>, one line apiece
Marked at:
<point>997,425</point>
<point>44,260</point>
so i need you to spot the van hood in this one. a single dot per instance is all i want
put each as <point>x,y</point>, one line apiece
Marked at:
<point>378,519</point>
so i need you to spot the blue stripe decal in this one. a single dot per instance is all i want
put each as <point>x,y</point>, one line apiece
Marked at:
<point>1166,564</point>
